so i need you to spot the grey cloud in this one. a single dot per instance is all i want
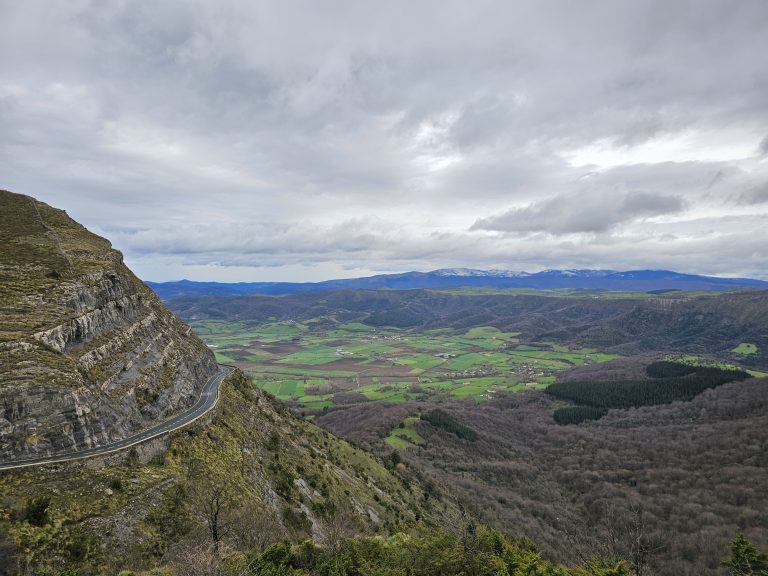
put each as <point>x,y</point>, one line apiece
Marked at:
<point>754,196</point>
<point>590,212</point>
<point>213,133</point>
<point>763,147</point>
<point>643,205</point>
<point>260,239</point>
<point>697,249</point>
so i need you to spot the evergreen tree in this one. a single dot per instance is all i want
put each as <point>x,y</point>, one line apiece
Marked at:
<point>744,559</point>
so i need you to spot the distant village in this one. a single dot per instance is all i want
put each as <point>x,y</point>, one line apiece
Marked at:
<point>530,371</point>
<point>472,373</point>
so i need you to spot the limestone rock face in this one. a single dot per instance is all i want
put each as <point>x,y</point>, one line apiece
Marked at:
<point>88,353</point>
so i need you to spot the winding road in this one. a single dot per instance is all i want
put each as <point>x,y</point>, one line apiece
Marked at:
<point>209,396</point>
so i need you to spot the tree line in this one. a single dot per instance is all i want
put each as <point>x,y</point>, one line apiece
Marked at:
<point>667,384</point>
<point>578,414</point>
<point>441,419</point>
<point>477,551</point>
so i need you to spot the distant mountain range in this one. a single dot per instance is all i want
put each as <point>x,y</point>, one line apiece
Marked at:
<point>633,280</point>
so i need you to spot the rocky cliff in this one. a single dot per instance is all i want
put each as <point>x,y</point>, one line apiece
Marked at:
<point>88,353</point>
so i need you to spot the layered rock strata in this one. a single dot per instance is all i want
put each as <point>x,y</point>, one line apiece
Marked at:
<point>88,353</point>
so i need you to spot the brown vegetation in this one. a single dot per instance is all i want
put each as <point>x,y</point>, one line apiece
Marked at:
<point>687,475</point>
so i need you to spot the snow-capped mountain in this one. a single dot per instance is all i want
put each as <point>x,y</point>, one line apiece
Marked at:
<point>579,279</point>
<point>466,272</point>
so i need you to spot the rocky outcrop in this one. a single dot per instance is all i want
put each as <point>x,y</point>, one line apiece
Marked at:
<point>88,353</point>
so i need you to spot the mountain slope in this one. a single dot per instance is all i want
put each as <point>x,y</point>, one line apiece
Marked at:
<point>635,280</point>
<point>88,353</point>
<point>693,473</point>
<point>257,472</point>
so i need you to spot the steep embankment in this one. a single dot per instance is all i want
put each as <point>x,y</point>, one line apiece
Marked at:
<point>88,353</point>
<point>251,475</point>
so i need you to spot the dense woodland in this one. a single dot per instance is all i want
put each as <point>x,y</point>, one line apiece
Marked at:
<point>670,381</point>
<point>578,414</point>
<point>444,420</point>
<point>474,551</point>
<point>680,478</point>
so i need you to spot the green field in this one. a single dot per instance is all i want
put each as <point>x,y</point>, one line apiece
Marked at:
<point>745,349</point>
<point>404,436</point>
<point>316,368</point>
<point>420,362</point>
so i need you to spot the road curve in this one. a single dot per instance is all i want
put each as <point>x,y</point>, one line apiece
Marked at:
<point>209,396</point>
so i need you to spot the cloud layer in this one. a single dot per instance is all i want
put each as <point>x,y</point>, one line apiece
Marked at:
<point>246,140</point>
<point>589,212</point>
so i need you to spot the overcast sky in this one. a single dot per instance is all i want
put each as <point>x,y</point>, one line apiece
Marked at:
<point>242,140</point>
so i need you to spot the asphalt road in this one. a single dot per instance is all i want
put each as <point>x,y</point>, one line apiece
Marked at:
<point>208,398</point>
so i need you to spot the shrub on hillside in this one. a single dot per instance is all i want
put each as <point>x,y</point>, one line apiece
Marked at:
<point>36,510</point>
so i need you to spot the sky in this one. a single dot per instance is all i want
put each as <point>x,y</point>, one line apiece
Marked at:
<point>241,140</point>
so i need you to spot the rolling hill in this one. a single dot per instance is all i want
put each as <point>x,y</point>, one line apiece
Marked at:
<point>715,324</point>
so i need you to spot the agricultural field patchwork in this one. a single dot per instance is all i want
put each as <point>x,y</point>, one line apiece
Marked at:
<point>317,367</point>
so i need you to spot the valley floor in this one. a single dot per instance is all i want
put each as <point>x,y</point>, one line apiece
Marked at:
<point>688,475</point>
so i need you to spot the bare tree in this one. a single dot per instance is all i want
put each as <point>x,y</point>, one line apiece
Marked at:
<point>213,504</point>
<point>255,528</point>
<point>211,500</point>
<point>195,556</point>
<point>643,545</point>
<point>625,535</point>
<point>338,522</point>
